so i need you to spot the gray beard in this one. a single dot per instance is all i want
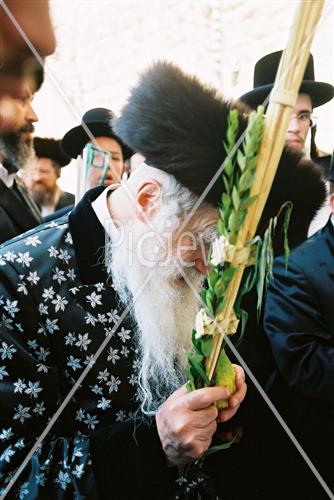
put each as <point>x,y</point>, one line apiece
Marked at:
<point>44,198</point>
<point>14,150</point>
<point>165,316</point>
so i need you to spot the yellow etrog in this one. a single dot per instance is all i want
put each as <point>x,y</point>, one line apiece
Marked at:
<point>224,376</point>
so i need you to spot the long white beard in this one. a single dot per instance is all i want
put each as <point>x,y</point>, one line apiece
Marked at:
<point>163,310</point>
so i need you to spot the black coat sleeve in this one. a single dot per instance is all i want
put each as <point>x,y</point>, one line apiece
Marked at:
<point>129,462</point>
<point>299,335</point>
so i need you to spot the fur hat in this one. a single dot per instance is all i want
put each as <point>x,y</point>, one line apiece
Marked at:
<point>179,125</point>
<point>50,148</point>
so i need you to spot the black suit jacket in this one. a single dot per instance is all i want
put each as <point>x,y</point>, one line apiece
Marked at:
<point>18,211</point>
<point>65,200</point>
<point>299,325</point>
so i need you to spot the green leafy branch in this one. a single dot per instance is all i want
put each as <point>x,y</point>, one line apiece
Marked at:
<point>238,176</point>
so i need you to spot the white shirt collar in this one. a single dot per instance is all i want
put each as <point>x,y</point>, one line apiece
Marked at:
<point>7,179</point>
<point>100,207</point>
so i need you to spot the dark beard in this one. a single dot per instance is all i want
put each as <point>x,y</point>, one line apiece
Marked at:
<point>14,150</point>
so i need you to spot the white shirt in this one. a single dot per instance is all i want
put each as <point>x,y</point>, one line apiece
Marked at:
<point>5,177</point>
<point>100,207</point>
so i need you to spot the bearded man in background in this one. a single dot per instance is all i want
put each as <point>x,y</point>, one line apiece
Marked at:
<point>18,211</point>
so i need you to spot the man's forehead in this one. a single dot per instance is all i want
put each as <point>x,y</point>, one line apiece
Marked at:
<point>303,103</point>
<point>204,218</point>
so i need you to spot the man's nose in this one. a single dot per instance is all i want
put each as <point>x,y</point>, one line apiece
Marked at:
<point>31,115</point>
<point>202,266</point>
<point>294,125</point>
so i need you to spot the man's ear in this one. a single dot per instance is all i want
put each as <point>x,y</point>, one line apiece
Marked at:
<point>148,199</point>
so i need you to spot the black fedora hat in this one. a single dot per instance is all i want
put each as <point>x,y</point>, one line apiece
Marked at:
<point>98,121</point>
<point>264,77</point>
<point>46,147</point>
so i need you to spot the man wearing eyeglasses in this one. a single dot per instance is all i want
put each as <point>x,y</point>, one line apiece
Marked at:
<point>300,122</point>
<point>311,95</point>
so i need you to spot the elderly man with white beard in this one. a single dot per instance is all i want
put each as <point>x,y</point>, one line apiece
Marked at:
<point>65,289</point>
<point>67,315</point>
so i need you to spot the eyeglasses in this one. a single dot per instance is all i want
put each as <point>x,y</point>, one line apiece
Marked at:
<point>305,117</point>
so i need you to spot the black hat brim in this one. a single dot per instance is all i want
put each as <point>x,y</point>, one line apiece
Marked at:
<point>320,93</point>
<point>75,139</point>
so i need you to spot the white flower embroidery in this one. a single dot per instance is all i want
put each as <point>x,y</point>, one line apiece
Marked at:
<point>78,471</point>
<point>124,335</point>
<point>33,389</point>
<point>9,452</point>
<point>80,415</point>
<point>33,278</point>
<point>104,404</point>
<point>22,413</point>
<point>70,339</point>
<point>19,386</point>
<point>10,256</point>
<point>113,316</point>
<point>39,408</point>
<point>94,299</point>
<point>7,351</point>
<point>83,341</point>
<point>11,307</point>
<point>99,287</point>
<point>22,288</point>
<point>3,372</point>
<point>64,256</point>
<point>73,363</point>
<point>71,275</point>
<point>42,354</point>
<point>103,376</point>
<point>43,309</point>
<point>24,259</point>
<point>53,252</point>
<point>120,416</point>
<point>68,238</point>
<point>60,303</point>
<point>102,318</point>
<point>63,479</point>
<point>6,322</point>
<point>91,421</point>
<point>24,490</point>
<point>32,344</point>
<point>59,275</point>
<point>40,479</point>
<point>113,384</point>
<point>133,380</point>
<point>125,351</point>
<point>96,389</point>
<point>110,331</point>
<point>33,241</point>
<point>6,434</point>
<point>113,355</point>
<point>51,325</point>
<point>48,293</point>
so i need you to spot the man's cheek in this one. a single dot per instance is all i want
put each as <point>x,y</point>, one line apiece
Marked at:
<point>9,115</point>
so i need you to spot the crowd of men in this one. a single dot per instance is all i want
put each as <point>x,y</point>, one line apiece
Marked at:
<point>78,273</point>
